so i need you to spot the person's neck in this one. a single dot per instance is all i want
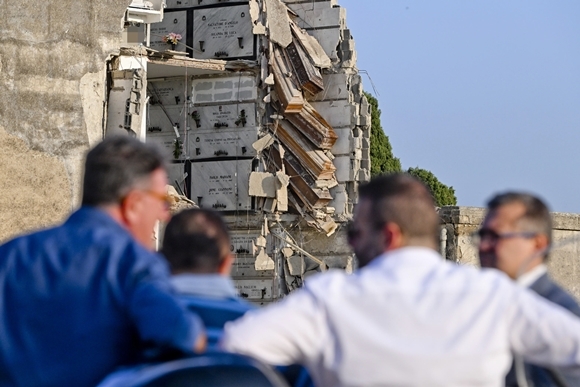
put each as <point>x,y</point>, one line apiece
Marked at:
<point>114,211</point>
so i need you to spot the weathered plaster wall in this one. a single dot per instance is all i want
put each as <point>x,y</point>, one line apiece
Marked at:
<point>32,181</point>
<point>52,63</point>
<point>564,262</point>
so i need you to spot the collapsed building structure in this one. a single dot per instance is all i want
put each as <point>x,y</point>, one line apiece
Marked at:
<point>259,105</point>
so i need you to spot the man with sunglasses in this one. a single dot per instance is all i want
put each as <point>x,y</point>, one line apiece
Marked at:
<point>82,298</point>
<point>515,238</point>
<point>406,317</point>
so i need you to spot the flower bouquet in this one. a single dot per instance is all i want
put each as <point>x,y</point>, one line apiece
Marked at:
<point>172,38</point>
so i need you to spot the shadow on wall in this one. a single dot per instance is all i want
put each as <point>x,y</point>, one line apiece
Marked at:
<point>35,190</point>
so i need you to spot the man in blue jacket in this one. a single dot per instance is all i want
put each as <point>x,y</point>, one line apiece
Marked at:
<point>84,297</point>
<point>197,246</point>
<point>515,238</point>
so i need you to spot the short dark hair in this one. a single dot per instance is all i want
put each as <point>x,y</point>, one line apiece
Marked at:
<point>196,240</point>
<point>115,166</point>
<point>536,217</point>
<point>405,201</point>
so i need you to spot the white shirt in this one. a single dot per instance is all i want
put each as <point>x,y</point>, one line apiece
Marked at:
<point>408,319</point>
<point>204,285</point>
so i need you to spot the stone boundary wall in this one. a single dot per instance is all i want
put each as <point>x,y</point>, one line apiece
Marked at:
<point>563,263</point>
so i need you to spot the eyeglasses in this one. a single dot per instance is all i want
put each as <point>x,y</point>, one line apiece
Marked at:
<point>485,234</point>
<point>165,198</point>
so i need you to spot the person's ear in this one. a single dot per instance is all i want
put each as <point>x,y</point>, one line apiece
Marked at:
<point>393,236</point>
<point>541,242</point>
<point>225,266</point>
<point>130,208</point>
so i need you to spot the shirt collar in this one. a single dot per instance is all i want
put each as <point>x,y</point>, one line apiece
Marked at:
<point>205,285</point>
<point>95,215</point>
<point>409,254</point>
<point>527,279</point>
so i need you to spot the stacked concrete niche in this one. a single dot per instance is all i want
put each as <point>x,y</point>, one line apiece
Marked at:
<point>260,107</point>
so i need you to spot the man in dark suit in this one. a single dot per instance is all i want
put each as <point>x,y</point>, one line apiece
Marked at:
<point>515,238</point>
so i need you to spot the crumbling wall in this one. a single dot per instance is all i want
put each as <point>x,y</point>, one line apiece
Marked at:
<point>31,182</point>
<point>563,264</point>
<point>52,77</point>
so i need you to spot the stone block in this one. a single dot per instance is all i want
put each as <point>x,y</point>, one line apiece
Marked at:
<point>366,153</point>
<point>338,114</point>
<point>365,163</point>
<point>336,86</point>
<point>319,15</point>
<point>328,39</point>
<point>343,145</point>
<point>340,199</point>
<point>346,168</point>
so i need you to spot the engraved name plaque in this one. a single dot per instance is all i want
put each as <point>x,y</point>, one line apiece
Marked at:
<point>223,33</point>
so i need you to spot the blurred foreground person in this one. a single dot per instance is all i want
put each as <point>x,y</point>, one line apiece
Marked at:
<point>515,238</point>
<point>197,246</point>
<point>407,317</point>
<point>82,298</point>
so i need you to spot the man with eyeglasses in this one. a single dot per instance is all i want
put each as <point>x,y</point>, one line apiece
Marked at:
<point>515,238</point>
<point>82,298</point>
<point>407,317</point>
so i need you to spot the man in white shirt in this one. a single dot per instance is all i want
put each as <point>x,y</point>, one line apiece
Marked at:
<point>407,317</point>
<point>515,238</point>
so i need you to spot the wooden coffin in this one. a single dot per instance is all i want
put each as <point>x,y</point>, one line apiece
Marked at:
<point>313,126</point>
<point>286,87</point>
<point>309,77</point>
<point>313,159</point>
<point>302,184</point>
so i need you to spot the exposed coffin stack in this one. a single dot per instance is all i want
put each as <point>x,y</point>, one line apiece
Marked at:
<point>313,159</point>
<point>303,185</point>
<point>313,126</point>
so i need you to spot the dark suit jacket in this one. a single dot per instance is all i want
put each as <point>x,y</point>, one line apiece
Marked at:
<point>540,377</point>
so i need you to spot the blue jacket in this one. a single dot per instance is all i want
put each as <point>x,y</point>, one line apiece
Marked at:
<point>80,299</point>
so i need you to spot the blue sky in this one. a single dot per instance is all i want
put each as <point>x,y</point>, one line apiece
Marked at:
<point>485,94</point>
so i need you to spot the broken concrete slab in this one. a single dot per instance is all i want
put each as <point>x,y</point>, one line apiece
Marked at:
<point>278,22</point>
<point>312,47</point>
<point>263,184</point>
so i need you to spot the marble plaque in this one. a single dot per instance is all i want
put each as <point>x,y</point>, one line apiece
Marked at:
<point>166,141</point>
<point>222,143</point>
<point>173,4</point>
<point>173,21</point>
<point>223,33</point>
<point>176,172</point>
<point>159,120</point>
<point>235,116</point>
<point>221,185</point>
<point>255,289</point>
<point>224,89</point>
<point>241,243</point>
<point>246,268</point>
<point>173,91</point>
<point>192,3</point>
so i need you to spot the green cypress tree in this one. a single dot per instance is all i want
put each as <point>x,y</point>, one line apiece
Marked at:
<point>382,159</point>
<point>442,194</point>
